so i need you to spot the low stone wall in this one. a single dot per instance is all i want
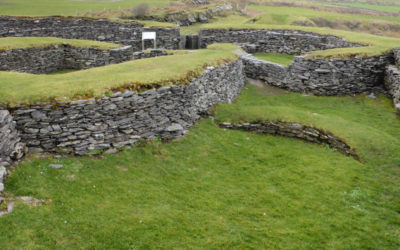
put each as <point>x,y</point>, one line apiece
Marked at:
<point>396,53</point>
<point>392,83</point>
<point>295,130</point>
<point>128,33</point>
<point>167,38</point>
<point>323,76</point>
<point>59,57</point>
<point>11,149</point>
<point>270,72</point>
<point>149,54</point>
<point>122,119</point>
<point>273,41</point>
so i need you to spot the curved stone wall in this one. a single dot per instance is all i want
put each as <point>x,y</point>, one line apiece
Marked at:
<point>123,118</point>
<point>273,41</point>
<point>295,130</point>
<point>128,33</point>
<point>59,57</point>
<point>323,76</point>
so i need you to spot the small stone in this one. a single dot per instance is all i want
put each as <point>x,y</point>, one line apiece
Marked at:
<point>19,151</point>
<point>174,127</point>
<point>56,166</point>
<point>36,115</point>
<point>25,199</point>
<point>111,151</point>
<point>3,173</point>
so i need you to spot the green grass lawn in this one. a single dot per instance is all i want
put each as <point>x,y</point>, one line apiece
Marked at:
<point>218,188</point>
<point>8,43</point>
<point>152,72</point>
<point>282,59</point>
<point>67,7</point>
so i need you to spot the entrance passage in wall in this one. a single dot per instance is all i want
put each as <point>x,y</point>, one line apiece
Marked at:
<point>149,36</point>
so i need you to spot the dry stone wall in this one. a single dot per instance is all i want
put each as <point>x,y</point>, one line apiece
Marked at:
<point>129,33</point>
<point>323,76</point>
<point>149,54</point>
<point>295,130</point>
<point>59,57</point>
<point>273,41</point>
<point>392,83</point>
<point>123,118</point>
<point>11,149</point>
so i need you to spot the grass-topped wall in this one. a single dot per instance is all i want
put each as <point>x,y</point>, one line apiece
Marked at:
<point>96,82</point>
<point>46,55</point>
<point>127,33</point>
<point>8,43</point>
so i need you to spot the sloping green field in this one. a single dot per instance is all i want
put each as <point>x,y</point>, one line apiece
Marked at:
<point>67,7</point>
<point>217,188</point>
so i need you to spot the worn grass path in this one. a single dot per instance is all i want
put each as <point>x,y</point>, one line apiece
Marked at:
<point>218,188</point>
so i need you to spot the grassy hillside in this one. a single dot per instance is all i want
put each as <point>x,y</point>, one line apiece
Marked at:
<point>138,74</point>
<point>67,7</point>
<point>289,15</point>
<point>388,8</point>
<point>217,188</point>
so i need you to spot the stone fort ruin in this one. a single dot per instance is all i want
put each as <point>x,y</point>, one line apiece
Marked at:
<point>123,118</point>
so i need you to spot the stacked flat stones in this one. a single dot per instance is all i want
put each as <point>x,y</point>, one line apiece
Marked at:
<point>273,41</point>
<point>11,149</point>
<point>295,130</point>
<point>127,33</point>
<point>123,118</point>
<point>392,79</point>
<point>329,77</point>
<point>59,57</point>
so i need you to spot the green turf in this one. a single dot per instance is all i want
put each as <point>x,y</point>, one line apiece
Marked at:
<point>67,7</point>
<point>282,59</point>
<point>7,43</point>
<point>288,15</point>
<point>161,71</point>
<point>387,8</point>
<point>218,188</point>
<point>360,121</point>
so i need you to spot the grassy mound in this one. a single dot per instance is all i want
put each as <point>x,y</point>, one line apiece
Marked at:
<point>282,59</point>
<point>95,82</point>
<point>218,188</point>
<point>8,43</point>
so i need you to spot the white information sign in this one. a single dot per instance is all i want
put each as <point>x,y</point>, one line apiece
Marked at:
<point>148,35</point>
